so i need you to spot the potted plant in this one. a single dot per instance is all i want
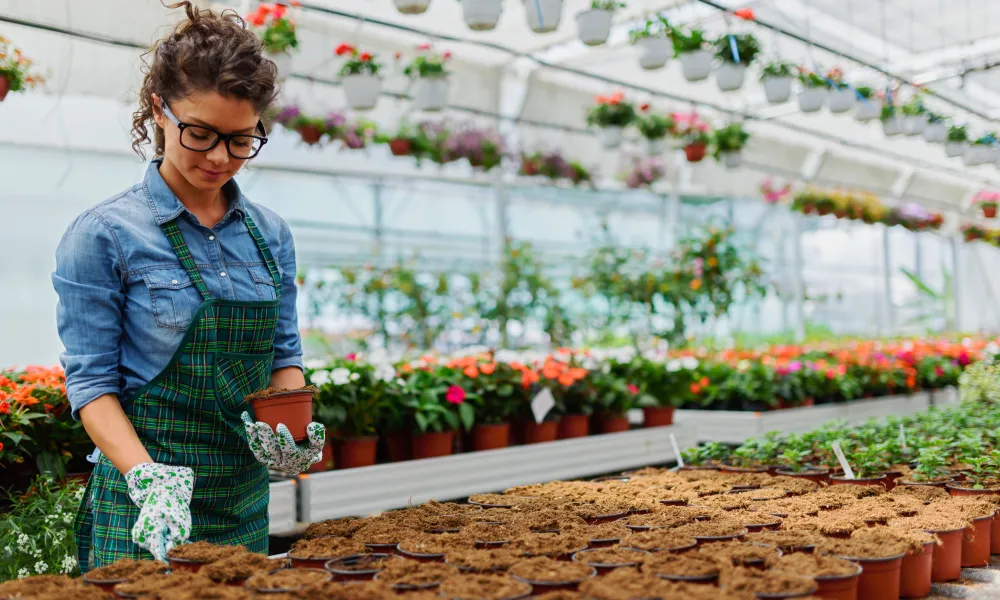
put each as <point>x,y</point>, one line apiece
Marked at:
<point>936,130</point>
<point>653,41</point>
<point>736,51</point>
<point>654,127</point>
<point>931,468</point>
<point>814,91</point>
<point>869,107</point>
<point>693,133</point>
<point>987,202</point>
<point>841,97</point>
<point>892,121</point>
<point>613,398</point>
<point>914,116</point>
<point>957,141</point>
<point>482,147</point>
<point>594,25</point>
<point>412,7</point>
<point>430,78</point>
<point>543,15</point>
<point>436,408</point>
<point>972,232</point>
<point>349,401</point>
<point>359,74</point>
<point>690,48</point>
<point>310,129</point>
<point>729,142</point>
<point>496,395</point>
<point>777,78</point>
<point>16,73</point>
<point>644,173</point>
<point>981,477</point>
<point>277,30</point>
<point>482,15</point>
<point>611,115</point>
<point>868,464</point>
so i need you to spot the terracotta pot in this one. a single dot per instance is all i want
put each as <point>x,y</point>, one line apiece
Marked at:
<point>841,480</point>
<point>4,87</point>
<point>995,534</point>
<point>326,461</point>
<point>574,426</point>
<point>990,212</point>
<point>938,484</point>
<point>695,152</point>
<point>490,437</point>
<point>534,433</point>
<point>383,548</point>
<point>732,469</point>
<point>658,416</point>
<point>783,595</point>
<point>310,135</point>
<point>946,564</point>
<point>398,445</point>
<point>294,409</point>
<point>890,479</point>
<point>879,577</point>
<point>915,574</point>
<point>543,587</point>
<point>429,445</point>
<point>354,452</point>
<point>400,147</point>
<point>338,567</point>
<point>582,557</point>
<point>838,587</point>
<point>186,565</point>
<point>976,543</point>
<point>957,490</point>
<point>819,475</point>
<point>611,423</point>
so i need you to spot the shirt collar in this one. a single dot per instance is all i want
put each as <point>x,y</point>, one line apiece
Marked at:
<point>167,207</point>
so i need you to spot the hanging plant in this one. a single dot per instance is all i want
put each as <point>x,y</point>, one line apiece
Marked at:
<point>736,51</point>
<point>594,25</point>
<point>771,194</point>
<point>936,130</point>
<point>430,76</point>
<point>412,7</point>
<point>482,15</point>
<point>869,107</point>
<point>16,72</point>
<point>654,127</point>
<point>841,97</point>
<point>814,90</point>
<point>277,31</point>
<point>354,135</point>
<point>914,116</point>
<point>553,166</point>
<point>543,15</point>
<point>892,122</point>
<point>690,48</point>
<point>653,41</point>
<point>359,74</point>
<point>644,173</point>
<point>693,133</point>
<point>982,151</point>
<point>611,115</point>
<point>310,129</point>
<point>482,147</point>
<point>777,77</point>
<point>957,141</point>
<point>987,201</point>
<point>729,143</point>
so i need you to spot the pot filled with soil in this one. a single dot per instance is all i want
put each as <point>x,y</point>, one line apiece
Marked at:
<point>483,587</point>
<point>768,584</point>
<point>287,580</point>
<point>544,574</point>
<point>915,571</point>
<point>152,584</point>
<point>609,559</point>
<point>498,500</point>
<point>687,567</point>
<point>292,407</point>
<point>122,571</point>
<point>382,536</point>
<point>430,547</point>
<point>787,541</point>
<point>342,527</point>
<point>709,532</point>
<point>659,540</point>
<point>315,553</point>
<point>843,480</point>
<point>740,554</point>
<point>946,562</point>
<point>939,483</point>
<point>573,426</point>
<point>491,535</point>
<point>957,489</point>
<point>356,567</point>
<point>236,569</point>
<point>552,545</point>
<point>836,578</point>
<point>881,561</point>
<point>409,575</point>
<point>628,583</point>
<point>976,542</point>
<point>192,557</point>
<point>488,560</point>
<point>756,521</point>
<point>605,535</point>
<point>817,474</point>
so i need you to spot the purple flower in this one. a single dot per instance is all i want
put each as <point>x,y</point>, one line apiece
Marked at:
<point>353,141</point>
<point>335,120</point>
<point>287,113</point>
<point>794,366</point>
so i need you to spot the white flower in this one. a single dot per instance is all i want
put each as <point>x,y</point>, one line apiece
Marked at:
<point>320,377</point>
<point>673,365</point>
<point>22,573</point>
<point>67,518</point>
<point>68,564</point>
<point>41,567</point>
<point>385,372</point>
<point>315,363</point>
<point>340,376</point>
<point>355,376</point>
<point>79,493</point>
<point>22,541</point>
<point>689,362</point>
<point>37,552</point>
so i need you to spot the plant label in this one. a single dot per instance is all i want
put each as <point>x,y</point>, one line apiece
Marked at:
<point>677,450</point>
<point>848,473</point>
<point>542,404</point>
<point>902,437</point>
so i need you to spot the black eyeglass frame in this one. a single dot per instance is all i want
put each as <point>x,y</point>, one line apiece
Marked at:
<point>218,135</point>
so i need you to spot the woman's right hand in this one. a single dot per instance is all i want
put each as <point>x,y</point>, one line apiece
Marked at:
<point>163,495</point>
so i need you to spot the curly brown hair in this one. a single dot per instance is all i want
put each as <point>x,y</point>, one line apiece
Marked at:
<point>206,52</point>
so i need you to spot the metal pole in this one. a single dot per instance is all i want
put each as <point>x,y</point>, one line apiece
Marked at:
<point>890,317</point>
<point>956,284</point>
<point>378,212</point>
<point>798,284</point>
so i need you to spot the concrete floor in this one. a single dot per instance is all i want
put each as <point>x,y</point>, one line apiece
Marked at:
<point>976,584</point>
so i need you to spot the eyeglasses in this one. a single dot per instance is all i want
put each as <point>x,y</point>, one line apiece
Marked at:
<point>202,139</point>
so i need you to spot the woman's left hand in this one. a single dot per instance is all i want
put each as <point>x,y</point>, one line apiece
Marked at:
<point>280,452</point>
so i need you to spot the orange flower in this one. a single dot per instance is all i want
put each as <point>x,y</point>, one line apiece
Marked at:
<point>578,373</point>
<point>516,366</point>
<point>695,284</point>
<point>695,388</point>
<point>704,382</point>
<point>528,377</point>
<point>407,368</point>
<point>471,371</point>
<point>551,371</point>
<point>488,368</point>
<point>713,262</point>
<point>4,408</point>
<point>566,379</point>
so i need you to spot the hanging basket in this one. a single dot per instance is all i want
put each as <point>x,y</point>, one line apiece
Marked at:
<point>978,154</point>
<point>867,110</point>
<point>654,52</point>
<point>892,126</point>
<point>610,137</point>
<point>656,147</point>
<point>730,76</point>
<point>482,15</point>
<point>778,89</point>
<point>914,124</point>
<point>594,26</point>
<point>282,60</point>
<point>4,87</point>
<point>431,93</point>
<point>955,149</point>
<point>936,133</point>
<point>696,66</point>
<point>841,100</point>
<point>732,159</point>
<point>695,152</point>
<point>812,99</point>
<point>362,90</point>
<point>412,7</point>
<point>543,15</point>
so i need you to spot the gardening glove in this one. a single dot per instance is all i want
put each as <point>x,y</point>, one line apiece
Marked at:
<point>279,452</point>
<point>163,495</point>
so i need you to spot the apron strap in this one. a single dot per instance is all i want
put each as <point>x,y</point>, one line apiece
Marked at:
<point>265,252</point>
<point>184,255</point>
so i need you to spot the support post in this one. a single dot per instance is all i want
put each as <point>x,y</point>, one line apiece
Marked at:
<point>810,169</point>
<point>378,217</point>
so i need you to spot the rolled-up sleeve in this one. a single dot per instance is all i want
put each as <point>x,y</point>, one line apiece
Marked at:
<point>287,341</point>
<point>88,280</point>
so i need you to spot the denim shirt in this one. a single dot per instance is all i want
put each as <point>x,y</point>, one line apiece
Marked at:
<point>125,300</point>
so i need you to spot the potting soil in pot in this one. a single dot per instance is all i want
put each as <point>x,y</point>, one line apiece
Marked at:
<point>793,485</point>
<point>611,556</point>
<point>786,541</point>
<point>656,540</point>
<point>427,543</point>
<point>212,593</point>
<point>495,515</point>
<point>203,552</point>
<point>492,532</point>
<point>326,547</point>
<point>793,507</point>
<point>828,523</point>
<point>30,587</point>
<point>815,565</point>
<point>688,564</point>
<point>548,520</point>
<point>739,554</point>
<point>561,595</point>
<point>491,559</point>
<point>549,544</point>
<point>626,584</point>
<point>769,582</point>
<point>913,540</point>
<point>344,527</point>
<point>710,529</point>
<point>382,532</point>
<point>400,571</point>
<point>727,502</point>
<point>874,547</point>
<point>273,390</point>
<point>126,570</point>
<point>367,590</point>
<point>239,567</point>
<point>921,492</point>
<point>498,499</point>
<point>545,569</point>
<point>766,494</point>
<point>483,587</point>
<point>288,579</point>
<point>155,583</point>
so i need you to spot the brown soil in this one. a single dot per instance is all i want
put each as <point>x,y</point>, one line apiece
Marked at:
<point>706,488</point>
<point>383,532</point>
<point>362,562</point>
<point>204,552</point>
<point>126,570</point>
<point>483,587</point>
<point>87,592</point>
<point>611,556</point>
<point>932,521</point>
<point>563,595</point>
<point>326,547</point>
<point>547,520</point>
<point>439,523</point>
<point>897,505</point>
<point>606,531</point>
<point>487,532</point>
<point>426,543</point>
<point>793,485</point>
<point>914,539</point>
<point>769,582</point>
<point>154,583</point>
<point>433,507</point>
<point>920,492</point>
<point>240,567</point>
<point>37,585</point>
<point>288,579</point>
<point>657,540</point>
<point>972,507</point>
<point>210,593</point>
<point>815,565</point>
<point>542,568</point>
<point>536,544</point>
<point>368,590</point>
<point>753,517</point>
<point>659,519</point>
<point>494,515</point>
<point>829,523</point>
<point>410,572</point>
<point>498,499</point>
<point>711,529</point>
<point>600,507</point>
<point>627,584</point>
<point>270,391</point>
<point>785,540</point>
<point>688,564</point>
<point>789,506</point>
<point>492,559</point>
<point>727,501</point>
<point>850,491</point>
<point>344,527</point>
<point>766,494</point>
<point>739,554</point>
<point>879,547</point>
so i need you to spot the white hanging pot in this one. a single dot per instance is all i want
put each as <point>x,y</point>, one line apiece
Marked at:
<point>283,60</point>
<point>914,124</point>
<point>812,99</point>
<point>654,51</point>
<point>482,15</point>
<point>697,65</point>
<point>543,15</point>
<point>431,93</point>
<point>892,126</point>
<point>362,90</point>
<point>936,133</point>
<point>955,149</point>
<point>656,147</point>
<point>732,159</point>
<point>778,89</point>
<point>412,7</point>
<point>594,26</point>
<point>611,136</point>
<point>840,100</point>
<point>730,76</point>
<point>868,110</point>
<point>977,154</point>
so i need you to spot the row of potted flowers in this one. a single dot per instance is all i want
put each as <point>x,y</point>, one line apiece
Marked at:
<point>866,207</point>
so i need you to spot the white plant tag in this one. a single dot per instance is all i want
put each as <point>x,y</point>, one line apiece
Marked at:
<point>542,404</point>
<point>677,450</point>
<point>902,437</point>
<point>843,461</point>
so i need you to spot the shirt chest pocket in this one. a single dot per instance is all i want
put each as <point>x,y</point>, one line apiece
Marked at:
<point>173,297</point>
<point>263,283</point>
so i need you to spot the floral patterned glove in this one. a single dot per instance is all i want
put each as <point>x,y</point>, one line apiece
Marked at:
<point>163,495</point>
<point>279,452</point>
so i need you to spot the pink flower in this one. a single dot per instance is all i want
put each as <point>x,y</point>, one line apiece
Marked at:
<point>447,54</point>
<point>351,357</point>
<point>424,46</point>
<point>455,395</point>
<point>939,371</point>
<point>633,389</point>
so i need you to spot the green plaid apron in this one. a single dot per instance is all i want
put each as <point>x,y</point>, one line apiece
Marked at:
<point>189,415</point>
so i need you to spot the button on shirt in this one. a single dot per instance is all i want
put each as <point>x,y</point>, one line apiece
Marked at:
<point>125,300</point>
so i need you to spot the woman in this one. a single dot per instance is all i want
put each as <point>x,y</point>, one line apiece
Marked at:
<point>176,301</point>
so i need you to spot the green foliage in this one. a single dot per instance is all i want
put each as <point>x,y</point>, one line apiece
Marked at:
<point>611,112</point>
<point>36,535</point>
<point>931,464</point>
<point>684,43</point>
<point>655,26</point>
<point>350,396</point>
<point>958,133</point>
<point>812,79</point>
<point>776,68</point>
<point>654,126</point>
<point>747,47</point>
<point>609,5</point>
<point>731,138</point>
<point>865,92</point>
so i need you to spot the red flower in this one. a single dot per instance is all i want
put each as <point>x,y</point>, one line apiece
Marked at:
<point>644,107</point>
<point>424,46</point>
<point>366,57</point>
<point>279,11</point>
<point>455,395</point>
<point>351,357</point>
<point>447,54</point>
<point>745,13</point>
<point>1,446</point>
<point>4,408</point>
<point>633,389</point>
<point>939,371</point>
<point>344,49</point>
